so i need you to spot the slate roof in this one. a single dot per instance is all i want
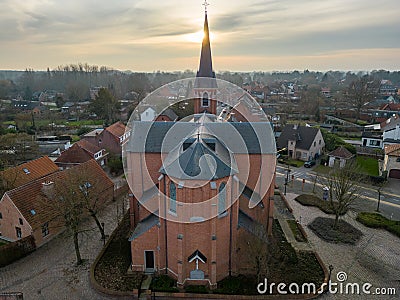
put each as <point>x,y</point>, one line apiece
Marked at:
<point>170,114</point>
<point>74,155</point>
<point>199,162</point>
<point>200,255</point>
<point>117,129</point>
<point>341,152</point>
<point>30,171</point>
<point>205,68</point>
<point>255,138</point>
<point>145,225</point>
<point>304,136</point>
<point>26,197</point>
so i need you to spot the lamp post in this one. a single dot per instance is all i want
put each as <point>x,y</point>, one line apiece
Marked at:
<point>379,199</point>
<point>104,237</point>
<point>330,272</point>
<point>287,178</point>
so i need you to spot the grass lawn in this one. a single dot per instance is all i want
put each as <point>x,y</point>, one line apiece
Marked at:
<point>322,169</point>
<point>298,235</point>
<point>368,165</point>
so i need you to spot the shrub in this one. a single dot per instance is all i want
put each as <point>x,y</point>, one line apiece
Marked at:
<point>376,220</point>
<point>311,200</point>
<point>163,283</point>
<point>200,289</point>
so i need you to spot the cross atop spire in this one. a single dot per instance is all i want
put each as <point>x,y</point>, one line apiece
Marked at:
<point>205,4</point>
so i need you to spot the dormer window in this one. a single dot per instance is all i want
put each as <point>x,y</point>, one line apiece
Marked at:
<point>205,101</point>
<point>26,171</point>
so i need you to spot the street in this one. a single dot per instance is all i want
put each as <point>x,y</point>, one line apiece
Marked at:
<point>390,193</point>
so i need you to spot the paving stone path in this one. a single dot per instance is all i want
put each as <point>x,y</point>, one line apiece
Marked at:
<point>51,272</point>
<point>375,259</point>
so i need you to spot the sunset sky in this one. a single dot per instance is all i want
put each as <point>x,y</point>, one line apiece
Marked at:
<point>251,35</point>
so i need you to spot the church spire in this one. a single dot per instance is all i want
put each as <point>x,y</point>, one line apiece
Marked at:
<point>205,69</point>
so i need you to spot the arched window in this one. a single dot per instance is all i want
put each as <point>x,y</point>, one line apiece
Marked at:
<point>221,199</point>
<point>172,197</point>
<point>205,102</point>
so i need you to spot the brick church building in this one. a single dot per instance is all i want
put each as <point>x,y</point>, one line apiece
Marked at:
<point>202,190</point>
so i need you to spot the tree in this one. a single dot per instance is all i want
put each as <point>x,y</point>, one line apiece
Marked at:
<point>361,91</point>
<point>343,189</point>
<point>73,197</point>
<point>105,106</point>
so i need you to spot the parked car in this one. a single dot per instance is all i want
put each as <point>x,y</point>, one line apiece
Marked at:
<point>309,164</point>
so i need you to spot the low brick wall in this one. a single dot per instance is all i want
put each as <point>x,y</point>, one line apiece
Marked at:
<point>16,250</point>
<point>102,290</point>
<point>11,296</point>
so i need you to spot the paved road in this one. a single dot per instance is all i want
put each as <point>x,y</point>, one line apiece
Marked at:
<point>51,271</point>
<point>390,194</point>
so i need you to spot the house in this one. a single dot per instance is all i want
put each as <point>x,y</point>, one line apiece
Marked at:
<point>391,131</point>
<point>167,115</point>
<point>79,153</point>
<point>391,162</point>
<point>27,172</point>
<point>372,139</point>
<point>23,213</point>
<point>302,142</point>
<point>148,115</point>
<point>110,138</point>
<point>339,157</point>
<point>201,187</point>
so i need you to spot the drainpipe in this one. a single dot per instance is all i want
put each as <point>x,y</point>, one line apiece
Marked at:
<point>165,226</point>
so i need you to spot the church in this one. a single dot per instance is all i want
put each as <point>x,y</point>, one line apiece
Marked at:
<point>201,186</point>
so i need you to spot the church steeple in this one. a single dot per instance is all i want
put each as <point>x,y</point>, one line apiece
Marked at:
<point>205,85</point>
<point>205,69</point>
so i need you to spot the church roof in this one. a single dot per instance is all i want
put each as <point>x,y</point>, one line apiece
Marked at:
<point>199,162</point>
<point>162,137</point>
<point>205,75</point>
<point>144,226</point>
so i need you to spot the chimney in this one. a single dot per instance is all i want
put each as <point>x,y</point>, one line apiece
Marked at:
<point>48,188</point>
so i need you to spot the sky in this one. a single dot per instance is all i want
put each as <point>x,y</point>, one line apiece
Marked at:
<point>251,35</point>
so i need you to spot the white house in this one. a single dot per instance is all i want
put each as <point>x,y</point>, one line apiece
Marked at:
<point>339,156</point>
<point>148,115</point>
<point>391,163</point>
<point>391,131</point>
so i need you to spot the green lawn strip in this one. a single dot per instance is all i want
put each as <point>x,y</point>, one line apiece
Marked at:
<point>376,220</point>
<point>368,165</point>
<point>322,169</point>
<point>311,200</point>
<point>298,235</point>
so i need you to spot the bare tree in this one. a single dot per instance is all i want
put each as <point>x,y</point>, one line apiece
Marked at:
<point>343,188</point>
<point>362,91</point>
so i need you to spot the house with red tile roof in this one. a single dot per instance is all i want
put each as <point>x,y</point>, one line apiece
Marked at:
<point>27,172</point>
<point>339,157</point>
<point>111,138</point>
<point>23,211</point>
<point>79,153</point>
<point>391,162</point>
